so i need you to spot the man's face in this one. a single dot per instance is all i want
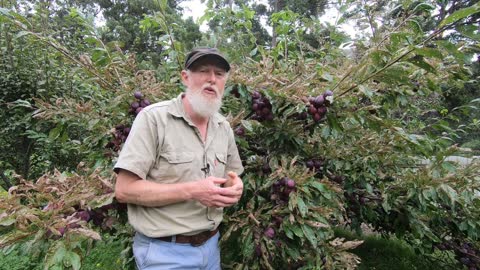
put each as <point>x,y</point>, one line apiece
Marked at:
<point>206,76</point>
<point>205,82</point>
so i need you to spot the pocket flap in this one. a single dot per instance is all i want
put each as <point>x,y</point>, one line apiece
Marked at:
<point>221,158</point>
<point>180,157</point>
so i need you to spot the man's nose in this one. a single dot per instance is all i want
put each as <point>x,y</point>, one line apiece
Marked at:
<point>211,76</point>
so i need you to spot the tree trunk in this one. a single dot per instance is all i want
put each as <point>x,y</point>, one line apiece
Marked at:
<point>6,183</point>
<point>274,30</point>
<point>28,144</point>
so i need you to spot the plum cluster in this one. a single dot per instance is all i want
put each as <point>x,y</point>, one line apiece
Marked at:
<point>317,106</point>
<point>281,190</point>
<point>466,253</point>
<point>138,105</point>
<point>315,164</point>
<point>262,107</point>
<point>119,136</point>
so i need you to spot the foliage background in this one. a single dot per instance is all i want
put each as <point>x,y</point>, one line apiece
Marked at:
<point>405,90</point>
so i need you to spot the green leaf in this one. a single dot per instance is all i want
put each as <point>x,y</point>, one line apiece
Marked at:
<point>319,186</point>
<point>7,221</point>
<point>460,14</point>
<point>21,34</point>
<point>73,259</point>
<point>55,254</point>
<point>302,207</point>
<point>248,125</point>
<point>449,192</point>
<point>55,133</point>
<point>449,167</point>
<point>429,52</point>
<point>420,62</point>
<point>327,77</point>
<point>423,7</point>
<point>4,11</point>
<point>248,245</point>
<point>310,234</point>
<point>297,231</point>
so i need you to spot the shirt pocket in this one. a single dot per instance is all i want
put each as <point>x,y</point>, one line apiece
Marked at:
<point>220,164</point>
<point>174,167</point>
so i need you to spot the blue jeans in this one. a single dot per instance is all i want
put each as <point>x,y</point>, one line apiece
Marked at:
<point>153,254</point>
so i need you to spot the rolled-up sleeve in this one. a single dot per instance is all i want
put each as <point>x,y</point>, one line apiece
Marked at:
<point>234,163</point>
<point>140,149</point>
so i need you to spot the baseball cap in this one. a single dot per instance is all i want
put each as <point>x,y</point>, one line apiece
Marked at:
<point>202,52</point>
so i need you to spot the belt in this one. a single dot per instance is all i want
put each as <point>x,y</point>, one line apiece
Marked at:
<point>194,240</point>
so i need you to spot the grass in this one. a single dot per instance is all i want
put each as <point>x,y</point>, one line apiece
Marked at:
<point>378,253</point>
<point>105,256</point>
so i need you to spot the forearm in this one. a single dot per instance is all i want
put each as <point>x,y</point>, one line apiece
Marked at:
<point>130,188</point>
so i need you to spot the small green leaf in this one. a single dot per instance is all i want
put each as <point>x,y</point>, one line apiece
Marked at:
<point>21,34</point>
<point>460,14</point>
<point>319,186</point>
<point>310,234</point>
<point>297,231</point>
<point>449,167</point>
<point>449,192</point>
<point>248,245</point>
<point>420,62</point>
<point>327,77</point>
<point>302,207</point>
<point>429,52</point>
<point>7,221</point>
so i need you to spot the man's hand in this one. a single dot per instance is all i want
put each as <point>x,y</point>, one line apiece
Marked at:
<point>209,193</point>
<point>235,184</point>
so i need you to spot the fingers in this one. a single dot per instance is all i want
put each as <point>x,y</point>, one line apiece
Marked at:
<point>218,180</point>
<point>232,174</point>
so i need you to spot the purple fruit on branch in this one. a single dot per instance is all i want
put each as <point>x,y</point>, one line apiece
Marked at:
<point>134,105</point>
<point>328,95</point>
<point>319,101</point>
<point>322,110</point>
<point>290,183</point>
<point>258,250</point>
<point>138,95</point>
<point>240,131</point>
<point>287,191</point>
<point>269,232</point>
<point>83,215</point>
<point>310,164</point>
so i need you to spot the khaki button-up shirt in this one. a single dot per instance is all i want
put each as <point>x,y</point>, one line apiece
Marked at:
<point>165,147</point>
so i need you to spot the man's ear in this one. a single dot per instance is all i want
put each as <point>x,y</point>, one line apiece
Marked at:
<point>184,75</point>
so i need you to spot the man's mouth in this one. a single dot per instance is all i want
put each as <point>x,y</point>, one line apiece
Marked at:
<point>210,90</point>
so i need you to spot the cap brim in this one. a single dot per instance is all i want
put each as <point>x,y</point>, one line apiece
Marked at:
<point>194,59</point>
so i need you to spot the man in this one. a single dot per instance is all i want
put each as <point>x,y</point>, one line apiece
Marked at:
<point>177,170</point>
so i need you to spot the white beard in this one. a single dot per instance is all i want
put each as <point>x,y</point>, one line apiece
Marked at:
<point>201,105</point>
